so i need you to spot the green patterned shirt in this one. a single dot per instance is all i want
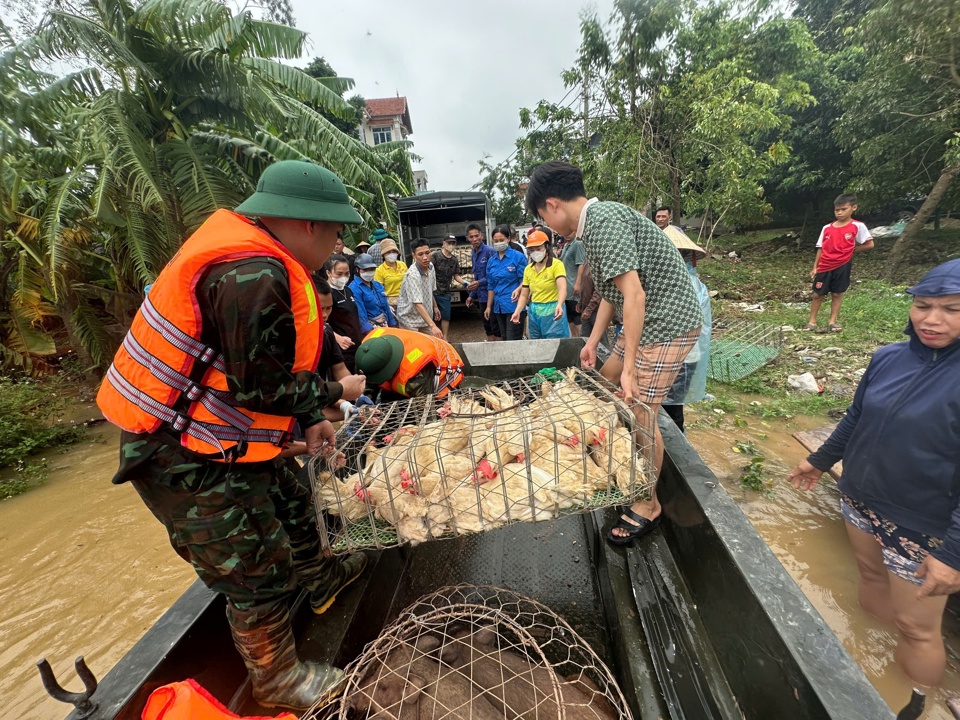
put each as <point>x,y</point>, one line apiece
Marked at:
<point>618,239</point>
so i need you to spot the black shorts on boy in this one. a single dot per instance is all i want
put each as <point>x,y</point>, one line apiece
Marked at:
<point>832,281</point>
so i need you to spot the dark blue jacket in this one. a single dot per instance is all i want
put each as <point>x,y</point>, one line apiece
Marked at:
<point>900,441</point>
<point>479,270</point>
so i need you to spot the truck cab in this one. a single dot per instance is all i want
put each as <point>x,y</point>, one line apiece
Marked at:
<point>434,215</point>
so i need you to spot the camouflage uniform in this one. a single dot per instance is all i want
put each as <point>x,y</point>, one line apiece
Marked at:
<point>248,529</point>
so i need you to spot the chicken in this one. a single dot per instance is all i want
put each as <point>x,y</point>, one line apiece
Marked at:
<point>384,465</point>
<point>497,399</point>
<point>616,455</point>
<point>577,410</point>
<point>340,498</point>
<point>455,507</point>
<point>572,465</point>
<point>404,510</point>
<point>514,495</point>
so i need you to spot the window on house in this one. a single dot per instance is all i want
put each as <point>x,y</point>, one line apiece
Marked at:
<point>382,135</point>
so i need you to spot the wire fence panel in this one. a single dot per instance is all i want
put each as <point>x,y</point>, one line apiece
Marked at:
<point>740,347</point>
<point>519,451</point>
<point>476,652</point>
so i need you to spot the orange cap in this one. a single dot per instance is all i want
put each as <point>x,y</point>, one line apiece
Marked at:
<point>536,238</point>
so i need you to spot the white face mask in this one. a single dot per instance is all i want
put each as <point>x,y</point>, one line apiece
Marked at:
<point>537,255</point>
<point>367,275</point>
<point>500,246</point>
<point>338,282</point>
<point>391,257</point>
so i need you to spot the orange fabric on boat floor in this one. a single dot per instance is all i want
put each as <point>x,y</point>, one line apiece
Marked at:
<point>186,700</point>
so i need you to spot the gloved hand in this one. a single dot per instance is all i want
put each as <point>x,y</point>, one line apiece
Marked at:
<point>348,409</point>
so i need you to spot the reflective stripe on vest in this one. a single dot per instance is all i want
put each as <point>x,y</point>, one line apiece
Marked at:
<point>418,350</point>
<point>163,374</point>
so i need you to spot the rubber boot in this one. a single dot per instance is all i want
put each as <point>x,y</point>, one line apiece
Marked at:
<point>323,593</point>
<point>278,676</point>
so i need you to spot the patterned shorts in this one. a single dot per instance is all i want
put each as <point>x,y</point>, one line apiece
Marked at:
<point>658,364</point>
<point>903,550</point>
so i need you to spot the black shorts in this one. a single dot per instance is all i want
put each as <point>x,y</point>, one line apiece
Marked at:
<point>490,327</point>
<point>832,281</point>
<point>572,314</point>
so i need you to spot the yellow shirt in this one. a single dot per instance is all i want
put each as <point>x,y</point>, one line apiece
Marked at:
<point>391,279</point>
<point>543,284</point>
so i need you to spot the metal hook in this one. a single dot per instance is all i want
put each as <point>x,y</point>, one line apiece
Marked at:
<point>80,700</point>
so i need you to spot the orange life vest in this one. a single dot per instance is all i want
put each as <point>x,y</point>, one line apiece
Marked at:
<point>187,700</point>
<point>418,350</point>
<point>163,374</point>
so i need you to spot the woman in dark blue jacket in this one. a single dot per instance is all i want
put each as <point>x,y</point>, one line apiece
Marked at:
<point>900,488</point>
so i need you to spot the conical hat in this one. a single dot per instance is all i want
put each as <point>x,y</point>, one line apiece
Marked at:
<point>682,242</point>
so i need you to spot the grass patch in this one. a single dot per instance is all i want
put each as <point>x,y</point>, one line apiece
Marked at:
<point>772,269</point>
<point>28,424</point>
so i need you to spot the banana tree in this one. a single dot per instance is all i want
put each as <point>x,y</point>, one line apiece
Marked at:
<point>173,111</point>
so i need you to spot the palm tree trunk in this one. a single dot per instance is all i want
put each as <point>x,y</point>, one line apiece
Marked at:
<point>912,232</point>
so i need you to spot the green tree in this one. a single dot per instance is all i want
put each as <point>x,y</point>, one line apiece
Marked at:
<point>686,103</point>
<point>902,119</point>
<point>345,121</point>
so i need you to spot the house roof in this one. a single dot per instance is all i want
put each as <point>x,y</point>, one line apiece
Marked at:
<point>390,107</point>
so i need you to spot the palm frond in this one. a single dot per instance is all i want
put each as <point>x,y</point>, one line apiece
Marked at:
<point>261,38</point>
<point>94,334</point>
<point>62,204</point>
<point>64,36</point>
<point>188,22</point>
<point>200,184</point>
<point>297,83</point>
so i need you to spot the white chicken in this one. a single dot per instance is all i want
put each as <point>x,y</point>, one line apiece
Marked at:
<point>516,495</point>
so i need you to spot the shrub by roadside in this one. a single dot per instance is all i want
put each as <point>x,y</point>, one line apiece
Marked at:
<point>28,425</point>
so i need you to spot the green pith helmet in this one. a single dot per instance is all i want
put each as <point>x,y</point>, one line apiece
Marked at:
<point>300,190</point>
<point>379,358</point>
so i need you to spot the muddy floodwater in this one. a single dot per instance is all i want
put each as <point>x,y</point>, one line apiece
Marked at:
<point>806,533</point>
<point>86,570</point>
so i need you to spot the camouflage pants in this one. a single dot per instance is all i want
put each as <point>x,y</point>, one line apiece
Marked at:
<point>248,529</point>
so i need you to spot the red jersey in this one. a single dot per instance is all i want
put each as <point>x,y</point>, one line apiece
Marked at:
<point>838,244</point>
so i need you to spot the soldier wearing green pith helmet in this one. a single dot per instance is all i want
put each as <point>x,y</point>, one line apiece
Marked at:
<point>219,363</point>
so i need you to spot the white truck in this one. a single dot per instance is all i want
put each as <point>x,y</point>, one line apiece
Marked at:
<point>434,215</point>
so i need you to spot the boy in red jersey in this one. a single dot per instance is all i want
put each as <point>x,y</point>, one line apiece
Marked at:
<point>836,245</point>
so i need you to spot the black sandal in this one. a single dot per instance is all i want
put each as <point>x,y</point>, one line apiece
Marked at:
<point>634,532</point>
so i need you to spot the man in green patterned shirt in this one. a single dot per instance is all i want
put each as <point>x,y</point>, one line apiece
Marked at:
<point>637,270</point>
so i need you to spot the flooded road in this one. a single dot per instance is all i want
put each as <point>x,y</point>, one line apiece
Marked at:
<point>806,533</point>
<point>85,570</point>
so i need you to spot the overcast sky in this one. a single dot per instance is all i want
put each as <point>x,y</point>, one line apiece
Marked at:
<point>465,67</point>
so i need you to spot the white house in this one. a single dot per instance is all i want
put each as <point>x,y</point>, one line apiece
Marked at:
<point>386,120</point>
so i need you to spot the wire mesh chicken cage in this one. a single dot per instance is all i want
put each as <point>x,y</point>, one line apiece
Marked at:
<point>477,652</point>
<point>522,450</point>
<point>740,347</point>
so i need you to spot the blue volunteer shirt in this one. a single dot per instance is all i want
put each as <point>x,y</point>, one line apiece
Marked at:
<point>504,275</point>
<point>480,258</point>
<point>371,301</point>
